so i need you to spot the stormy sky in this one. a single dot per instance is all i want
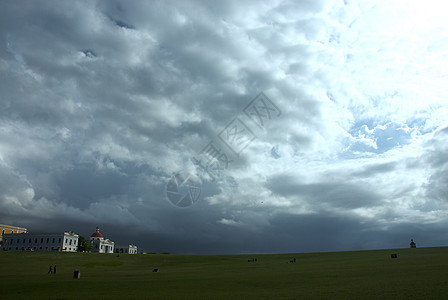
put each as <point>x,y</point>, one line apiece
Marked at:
<point>105,105</point>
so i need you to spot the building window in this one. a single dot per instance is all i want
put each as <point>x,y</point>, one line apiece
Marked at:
<point>24,240</point>
<point>59,240</point>
<point>46,248</point>
<point>41,240</point>
<point>30,241</point>
<point>54,240</point>
<point>35,240</point>
<point>66,241</point>
<point>48,240</point>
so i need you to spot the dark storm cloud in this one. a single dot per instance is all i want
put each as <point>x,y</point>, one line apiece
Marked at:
<point>334,194</point>
<point>327,232</point>
<point>297,233</point>
<point>102,101</point>
<point>437,157</point>
<point>437,147</point>
<point>371,170</point>
<point>122,24</point>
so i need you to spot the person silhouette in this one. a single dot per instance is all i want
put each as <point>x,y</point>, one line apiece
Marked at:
<point>54,269</point>
<point>50,271</point>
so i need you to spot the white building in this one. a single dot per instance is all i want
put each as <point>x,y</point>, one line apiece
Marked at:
<point>100,244</point>
<point>129,249</point>
<point>65,241</point>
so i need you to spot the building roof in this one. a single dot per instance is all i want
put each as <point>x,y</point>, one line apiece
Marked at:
<point>43,234</point>
<point>97,233</point>
<point>10,227</point>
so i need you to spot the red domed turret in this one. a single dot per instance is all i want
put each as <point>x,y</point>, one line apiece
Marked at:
<point>97,234</point>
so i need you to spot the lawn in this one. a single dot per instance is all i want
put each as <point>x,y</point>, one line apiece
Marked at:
<point>420,273</point>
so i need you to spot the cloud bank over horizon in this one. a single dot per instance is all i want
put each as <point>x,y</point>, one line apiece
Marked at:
<point>102,102</point>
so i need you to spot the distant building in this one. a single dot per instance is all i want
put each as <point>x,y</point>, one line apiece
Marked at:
<point>6,229</point>
<point>65,241</point>
<point>129,249</point>
<point>100,244</point>
<point>413,245</point>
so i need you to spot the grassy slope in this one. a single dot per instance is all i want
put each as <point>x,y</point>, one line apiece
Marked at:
<point>417,273</point>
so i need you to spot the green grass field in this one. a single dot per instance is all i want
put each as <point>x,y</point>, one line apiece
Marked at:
<point>420,273</point>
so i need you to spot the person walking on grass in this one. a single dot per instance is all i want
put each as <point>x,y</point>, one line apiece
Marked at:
<point>51,270</point>
<point>54,269</point>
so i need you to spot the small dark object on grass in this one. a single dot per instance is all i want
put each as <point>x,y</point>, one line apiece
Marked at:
<point>393,255</point>
<point>76,274</point>
<point>155,270</point>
